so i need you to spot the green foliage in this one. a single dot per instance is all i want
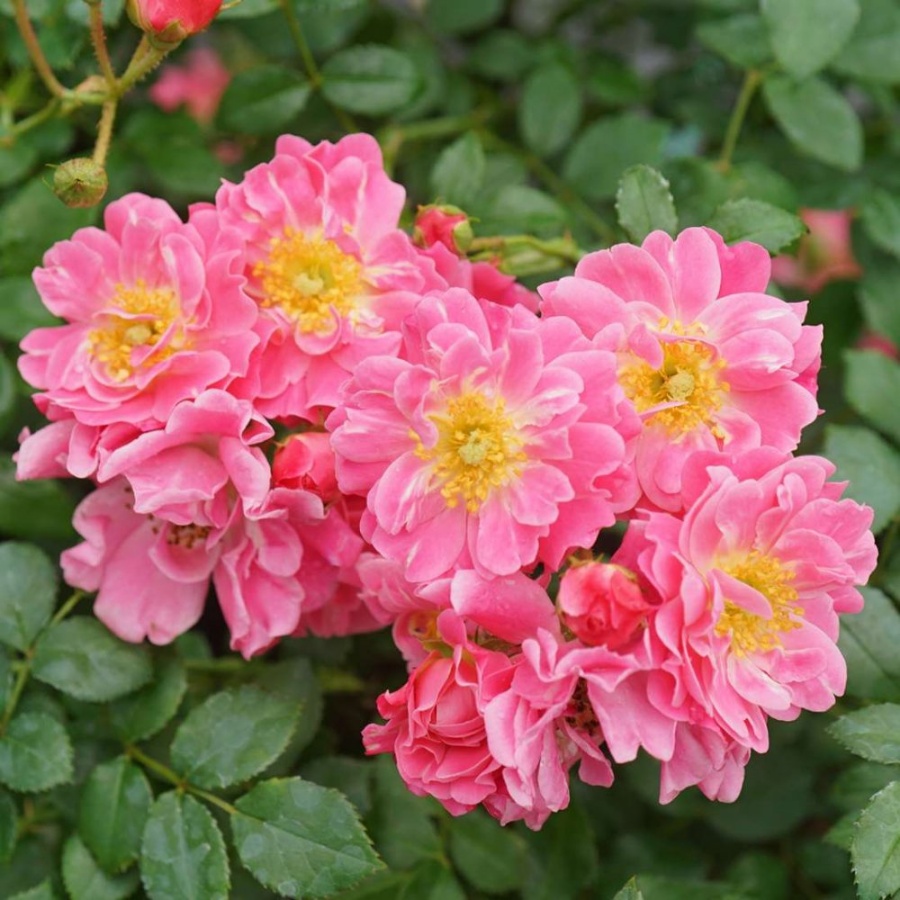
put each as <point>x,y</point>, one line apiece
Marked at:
<point>873,733</point>
<point>35,753</point>
<point>183,854</point>
<point>28,585</point>
<point>875,850</point>
<point>232,736</point>
<point>644,203</point>
<point>754,220</point>
<point>114,805</point>
<point>301,839</point>
<point>85,880</point>
<point>492,860</point>
<point>81,658</point>
<point>372,79</point>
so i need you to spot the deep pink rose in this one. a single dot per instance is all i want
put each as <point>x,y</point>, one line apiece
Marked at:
<point>172,21</point>
<point>602,604</point>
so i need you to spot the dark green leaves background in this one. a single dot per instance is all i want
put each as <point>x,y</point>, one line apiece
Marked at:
<point>186,772</point>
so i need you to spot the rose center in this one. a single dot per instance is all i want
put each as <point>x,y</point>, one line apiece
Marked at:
<point>139,327</point>
<point>478,449</point>
<point>752,633</point>
<point>690,376</point>
<point>309,279</point>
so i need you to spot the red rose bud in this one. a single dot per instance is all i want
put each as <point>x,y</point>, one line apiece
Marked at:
<point>306,461</point>
<point>80,182</point>
<point>447,225</point>
<point>601,603</point>
<point>171,21</point>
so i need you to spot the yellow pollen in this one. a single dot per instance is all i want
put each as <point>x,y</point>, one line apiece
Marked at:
<point>306,277</point>
<point>749,632</point>
<point>186,536</point>
<point>690,376</point>
<point>478,449</point>
<point>136,316</point>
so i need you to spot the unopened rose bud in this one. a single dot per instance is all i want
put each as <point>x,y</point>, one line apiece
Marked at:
<point>168,22</point>
<point>447,225</point>
<point>80,182</point>
<point>306,461</point>
<point>601,604</point>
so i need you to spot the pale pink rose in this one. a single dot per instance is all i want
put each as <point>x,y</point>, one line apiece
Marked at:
<point>705,757</point>
<point>332,273</point>
<point>498,441</point>
<point>151,577</point>
<point>435,722</point>
<point>172,21</point>
<point>747,589</point>
<point>602,604</point>
<point>306,460</point>
<point>156,311</point>
<point>825,254</point>
<point>197,85</point>
<point>708,359</point>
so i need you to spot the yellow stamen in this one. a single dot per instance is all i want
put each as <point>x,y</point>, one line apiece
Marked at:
<point>137,316</point>
<point>478,449</point>
<point>690,376</point>
<point>307,277</point>
<point>751,633</point>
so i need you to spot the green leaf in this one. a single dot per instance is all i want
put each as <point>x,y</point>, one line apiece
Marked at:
<point>563,856</point>
<point>869,641</point>
<point>300,839</point>
<point>491,858</point>
<point>399,823</point>
<point>880,213</point>
<point>34,510</point>
<point>550,108</point>
<point>742,39</point>
<point>16,162</point>
<point>518,209</point>
<point>28,585</point>
<point>606,148</point>
<point>644,203</point>
<point>858,783</point>
<point>631,891</point>
<point>370,79</point>
<point>85,880</point>
<point>21,309</point>
<point>817,119</point>
<point>458,174</point>
<point>753,220</point>
<point>870,464</point>
<point>350,776</point>
<point>233,735</point>
<point>295,679</point>
<point>263,100</point>
<point>871,386</point>
<point>872,733</point>
<point>9,821</point>
<point>44,891</point>
<point>875,851</point>
<point>432,880</point>
<point>144,713</point>
<point>35,753</point>
<point>873,51</point>
<point>183,854</point>
<point>501,55</point>
<point>462,16</point>
<point>114,807</point>
<point>80,657</point>
<point>807,34</point>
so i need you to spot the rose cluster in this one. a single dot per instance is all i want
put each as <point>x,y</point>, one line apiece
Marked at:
<point>341,429</point>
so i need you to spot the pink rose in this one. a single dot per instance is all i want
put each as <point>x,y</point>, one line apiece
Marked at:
<point>602,604</point>
<point>306,461</point>
<point>171,21</point>
<point>447,225</point>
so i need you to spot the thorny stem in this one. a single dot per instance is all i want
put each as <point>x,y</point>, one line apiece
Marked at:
<point>752,80</point>
<point>98,39</point>
<point>309,61</point>
<point>105,130</point>
<point>146,58</point>
<point>23,23</point>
